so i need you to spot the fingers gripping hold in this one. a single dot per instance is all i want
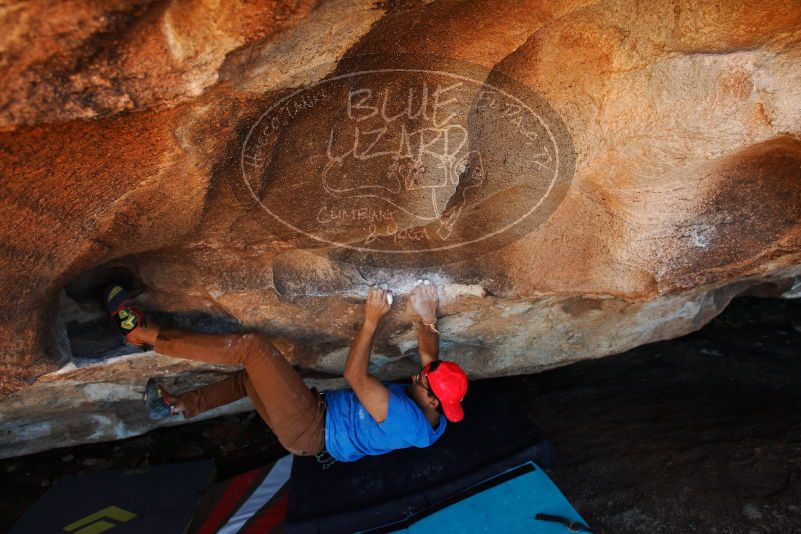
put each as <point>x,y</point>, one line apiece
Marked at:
<point>379,301</point>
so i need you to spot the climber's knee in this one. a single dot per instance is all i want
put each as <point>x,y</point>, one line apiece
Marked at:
<point>258,344</point>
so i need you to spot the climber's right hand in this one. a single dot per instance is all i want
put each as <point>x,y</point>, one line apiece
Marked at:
<point>377,305</point>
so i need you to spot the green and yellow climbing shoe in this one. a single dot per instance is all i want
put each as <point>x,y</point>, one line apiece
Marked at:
<point>126,315</point>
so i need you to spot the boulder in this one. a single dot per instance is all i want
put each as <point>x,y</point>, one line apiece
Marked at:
<point>578,178</point>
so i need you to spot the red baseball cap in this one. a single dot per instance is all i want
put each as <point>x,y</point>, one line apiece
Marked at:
<point>449,383</point>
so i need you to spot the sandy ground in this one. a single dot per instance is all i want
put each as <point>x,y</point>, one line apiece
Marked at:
<point>699,434</point>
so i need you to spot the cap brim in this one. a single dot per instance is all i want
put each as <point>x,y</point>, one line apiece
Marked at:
<point>453,412</point>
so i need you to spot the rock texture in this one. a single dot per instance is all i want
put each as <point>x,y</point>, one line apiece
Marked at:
<point>235,159</point>
<point>82,60</point>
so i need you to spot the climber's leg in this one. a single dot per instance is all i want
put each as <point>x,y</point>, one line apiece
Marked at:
<point>212,396</point>
<point>293,411</point>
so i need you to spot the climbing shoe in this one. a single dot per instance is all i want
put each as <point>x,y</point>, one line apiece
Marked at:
<point>126,315</point>
<point>156,402</point>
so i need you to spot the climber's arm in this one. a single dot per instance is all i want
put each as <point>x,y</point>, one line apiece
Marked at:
<point>427,344</point>
<point>424,300</point>
<point>373,395</point>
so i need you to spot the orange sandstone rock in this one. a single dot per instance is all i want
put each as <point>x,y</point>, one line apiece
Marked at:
<point>579,177</point>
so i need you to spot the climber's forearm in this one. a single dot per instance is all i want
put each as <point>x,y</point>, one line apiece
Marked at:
<point>427,343</point>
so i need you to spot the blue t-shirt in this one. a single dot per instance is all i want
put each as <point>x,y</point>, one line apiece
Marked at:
<point>352,433</point>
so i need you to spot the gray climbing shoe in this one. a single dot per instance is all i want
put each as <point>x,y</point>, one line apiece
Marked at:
<point>156,403</point>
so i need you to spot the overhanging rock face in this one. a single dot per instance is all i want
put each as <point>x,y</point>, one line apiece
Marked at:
<point>578,177</point>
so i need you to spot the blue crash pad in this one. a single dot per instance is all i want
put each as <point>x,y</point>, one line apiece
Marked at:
<point>508,502</point>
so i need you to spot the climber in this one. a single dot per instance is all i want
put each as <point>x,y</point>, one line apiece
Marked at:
<point>371,418</point>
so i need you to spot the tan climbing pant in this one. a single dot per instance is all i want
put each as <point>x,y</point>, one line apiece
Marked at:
<point>295,413</point>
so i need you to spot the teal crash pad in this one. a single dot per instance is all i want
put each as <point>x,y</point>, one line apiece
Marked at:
<point>508,502</point>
